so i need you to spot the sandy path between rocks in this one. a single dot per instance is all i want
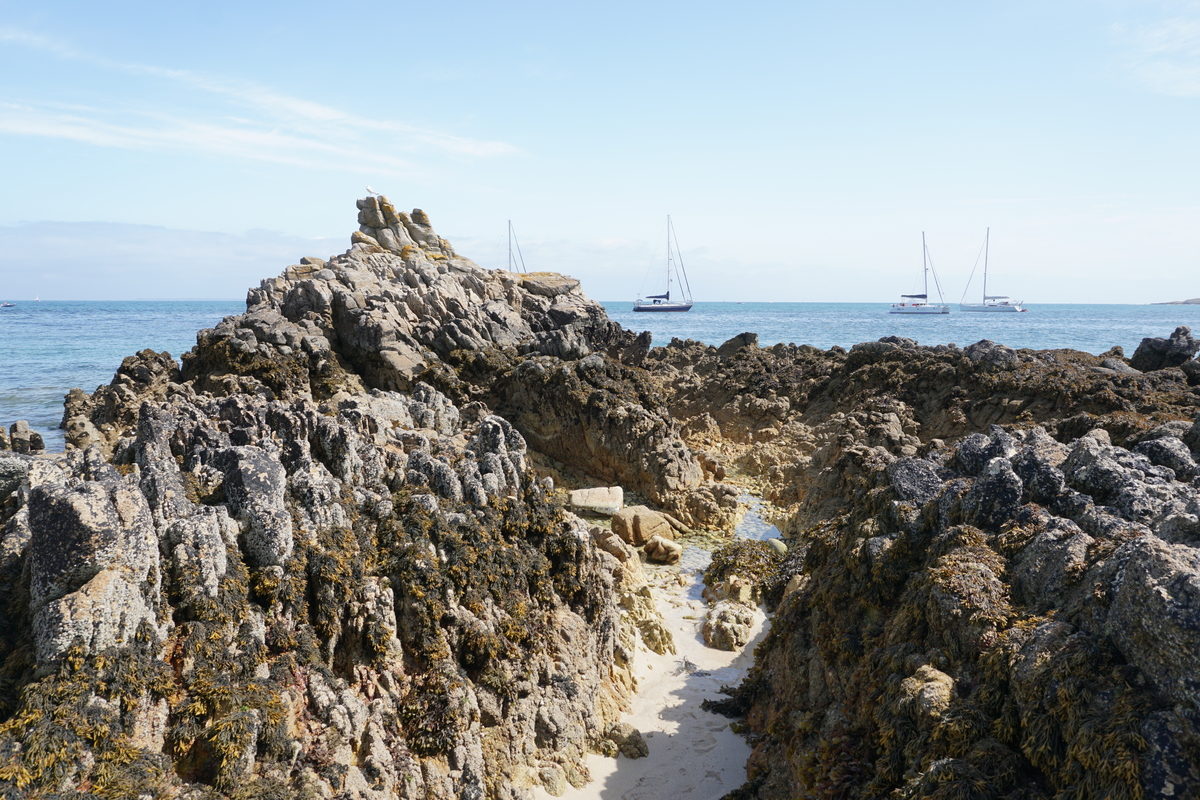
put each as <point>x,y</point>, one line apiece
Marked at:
<point>693,753</point>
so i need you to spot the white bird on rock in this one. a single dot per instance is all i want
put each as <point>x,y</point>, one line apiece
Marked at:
<point>373,192</point>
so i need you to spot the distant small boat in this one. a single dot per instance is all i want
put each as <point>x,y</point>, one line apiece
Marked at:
<point>919,303</point>
<point>8,305</point>
<point>991,302</point>
<point>663,302</point>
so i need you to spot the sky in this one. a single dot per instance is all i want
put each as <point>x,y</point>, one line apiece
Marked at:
<point>188,150</point>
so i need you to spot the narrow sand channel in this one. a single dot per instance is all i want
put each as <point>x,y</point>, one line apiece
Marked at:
<point>693,753</point>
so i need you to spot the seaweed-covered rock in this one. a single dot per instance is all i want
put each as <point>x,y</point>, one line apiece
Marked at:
<point>366,591</point>
<point>1013,633</point>
<point>914,480</point>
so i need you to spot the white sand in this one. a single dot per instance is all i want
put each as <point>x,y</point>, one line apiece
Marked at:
<point>693,753</point>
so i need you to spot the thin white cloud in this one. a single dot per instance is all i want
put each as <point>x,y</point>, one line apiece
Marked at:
<point>163,132</point>
<point>1164,54</point>
<point>10,35</point>
<point>270,126</point>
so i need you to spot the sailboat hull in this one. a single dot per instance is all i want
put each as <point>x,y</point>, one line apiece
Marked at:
<point>642,306</point>
<point>918,308</point>
<point>991,307</point>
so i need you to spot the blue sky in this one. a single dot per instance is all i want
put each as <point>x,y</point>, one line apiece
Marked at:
<point>801,148</point>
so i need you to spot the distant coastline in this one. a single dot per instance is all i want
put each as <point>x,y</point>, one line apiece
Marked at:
<point>1195,301</point>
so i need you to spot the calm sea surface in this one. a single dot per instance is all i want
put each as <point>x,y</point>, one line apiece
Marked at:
<point>49,347</point>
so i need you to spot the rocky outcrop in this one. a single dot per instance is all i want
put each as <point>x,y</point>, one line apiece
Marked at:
<point>21,439</point>
<point>294,567</point>
<point>332,598</point>
<point>1011,613</point>
<point>1157,353</point>
<point>401,308</point>
<point>788,415</point>
<point>961,521</point>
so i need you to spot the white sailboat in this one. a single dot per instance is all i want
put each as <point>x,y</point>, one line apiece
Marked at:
<point>991,302</point>
<point>919,303</point>
<point>663,302</point>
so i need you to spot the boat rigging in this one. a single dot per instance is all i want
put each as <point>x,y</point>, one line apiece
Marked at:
<point>919,303</point>
<point>675,274</point>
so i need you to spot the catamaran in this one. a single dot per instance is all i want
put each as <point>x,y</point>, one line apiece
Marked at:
<point>663,302</point>
<point>991,302</point>
<point>919,303</point>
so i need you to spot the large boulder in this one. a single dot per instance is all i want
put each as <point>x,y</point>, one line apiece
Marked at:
<point>728,625</point>
<point>602,500</point>
<point>1159,353</point>
<point>639,524</point>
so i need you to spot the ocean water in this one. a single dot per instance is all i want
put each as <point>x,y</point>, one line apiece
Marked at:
<point>1090,328</point>
<point>47,348</point>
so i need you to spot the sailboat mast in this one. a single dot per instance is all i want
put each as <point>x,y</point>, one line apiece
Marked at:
<point>986,239</point>
<point>520,258</point>
<point>925,265</point>
<point>668,254</point>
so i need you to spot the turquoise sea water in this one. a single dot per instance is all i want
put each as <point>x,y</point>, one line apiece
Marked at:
<point>49,347</point>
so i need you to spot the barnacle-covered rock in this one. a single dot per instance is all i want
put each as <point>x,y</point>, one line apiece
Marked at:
<point>1169,452</point>
<point>728,625</point>
<point>1011,612</point>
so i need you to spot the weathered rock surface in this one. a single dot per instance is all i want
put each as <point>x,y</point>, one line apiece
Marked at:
<point>1157,353</point>
<point>296,568</point>
<point>597,500</point>
<point>628,740</point>
<point>728,625</point>
<point>1013,613</point>
<point>401,308</point>
<point>639,524</point>
<point>663,551</point>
